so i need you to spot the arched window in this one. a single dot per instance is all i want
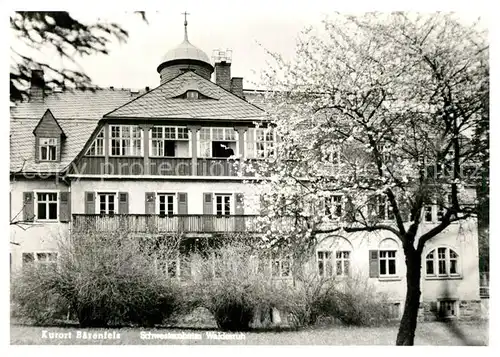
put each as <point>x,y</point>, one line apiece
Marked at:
<point>384,264</point>
<point>336,260</point>
<point>441,261</point>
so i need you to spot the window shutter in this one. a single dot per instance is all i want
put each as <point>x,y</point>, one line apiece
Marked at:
<point>263,207</point>
<point>64,206</point>
<point>208,210</point>
<point>240,204</point>
<point>28,206</point>
<point>350,210</point>
<point>240,210</point>
<point>320,206</point>
<point>404,209</point>
<point>182,205</point>
<point>208,203</point>
<point>89,203</point>
<point>373,263</point>
<point>123,202</point>
<point>150,203</point>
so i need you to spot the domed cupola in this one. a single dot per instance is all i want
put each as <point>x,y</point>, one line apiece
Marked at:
<point>184,57</point>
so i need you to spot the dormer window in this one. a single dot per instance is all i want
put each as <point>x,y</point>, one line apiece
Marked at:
<point>48,149</point>
<point>97,147</point>
<point>192,94</point>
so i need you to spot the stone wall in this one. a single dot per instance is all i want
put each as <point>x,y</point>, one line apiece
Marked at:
<point>467,310</point>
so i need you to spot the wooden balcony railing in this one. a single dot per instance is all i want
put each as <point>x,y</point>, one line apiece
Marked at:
<point>141,223</point>
<point>163,166</point>
<point>189,223</point>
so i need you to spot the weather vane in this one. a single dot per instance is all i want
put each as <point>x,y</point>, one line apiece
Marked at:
<point>185,13</point>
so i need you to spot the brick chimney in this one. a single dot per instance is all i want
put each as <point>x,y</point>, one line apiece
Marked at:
<point>37,86</point>
<point>222,60</point>
<point>223,74</point>
<point>237,86</point>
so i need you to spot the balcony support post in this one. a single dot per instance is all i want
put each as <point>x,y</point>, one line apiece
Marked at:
<point>146,130</point>
<point>106,148</point>
<point>194,148</point>
<point>241,139</point>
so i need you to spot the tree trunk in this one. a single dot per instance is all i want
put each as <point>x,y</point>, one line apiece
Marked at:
<point>408,324</point>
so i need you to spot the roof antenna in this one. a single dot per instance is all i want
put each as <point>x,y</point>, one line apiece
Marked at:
<point>185,25</point>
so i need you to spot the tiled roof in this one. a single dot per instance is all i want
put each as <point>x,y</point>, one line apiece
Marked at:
<point>77,112</point>
<point>74,104</point>
<point>161,102</point>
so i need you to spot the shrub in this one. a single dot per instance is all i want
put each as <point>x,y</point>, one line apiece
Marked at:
<point>229,284</point>
<point>36,298</point>
<point>350,300</point>
<point>355,302</point>
<point>305,300</point>
<point>104,281</point>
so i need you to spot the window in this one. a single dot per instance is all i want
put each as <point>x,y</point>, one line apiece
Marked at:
<point>46,259</point>
<point>48,149</point>
<point>40,258</point>
<point>217,142</point>
<point>126,140</point>
<point>394,310</point>
<point>166,204</point>
<point>387,262</point>
<point>107,204</point>
<point>97,147</point>
<point>168,266</point>
<point>330,155</point>
<point>169,141</point>
<point>192,94</point>
<point>265,143</point>
<point>442,262</point>
<point>334,206</point>
<point>261,143</point>
<point>381,208</point>
<point>325,264</point>
<point>428,213</point>
<point>442,205</point>
<point>447,308</point>
<point>343,263</point>
<point>280,266</point>
<point>223,205</point>
<point>441,169</point>
<point>429,263</point>
<point>47,206</point>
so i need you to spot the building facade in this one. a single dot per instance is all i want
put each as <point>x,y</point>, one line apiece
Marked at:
<point>162,161</point>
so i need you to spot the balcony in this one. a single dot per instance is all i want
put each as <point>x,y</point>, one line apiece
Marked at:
<point>188,223</point>
<point>164,166</point>
<point>142,223</point>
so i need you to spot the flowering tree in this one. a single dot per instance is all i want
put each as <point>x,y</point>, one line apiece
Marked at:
<point>67,36</point>
<point>382,110</point>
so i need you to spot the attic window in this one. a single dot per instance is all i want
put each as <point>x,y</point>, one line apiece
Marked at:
<point>97,147</point>
<point>192,94</point>
<point>48,149</point>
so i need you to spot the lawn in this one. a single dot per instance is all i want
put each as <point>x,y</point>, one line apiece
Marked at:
<point>428,333</point>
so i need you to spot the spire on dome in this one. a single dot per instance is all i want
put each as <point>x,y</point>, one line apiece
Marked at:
<point>185,26</point>
<point>184,57</point>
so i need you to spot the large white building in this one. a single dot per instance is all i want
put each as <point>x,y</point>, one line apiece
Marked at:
<point>157,160</point>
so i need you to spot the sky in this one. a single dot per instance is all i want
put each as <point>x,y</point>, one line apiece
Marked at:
<point>248,28</point>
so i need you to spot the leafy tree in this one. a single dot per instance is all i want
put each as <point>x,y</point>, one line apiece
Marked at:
<point>62,33</point>
<point>380,109</point>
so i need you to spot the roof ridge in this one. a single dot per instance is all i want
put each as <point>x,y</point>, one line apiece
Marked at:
<point>143,94</point>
